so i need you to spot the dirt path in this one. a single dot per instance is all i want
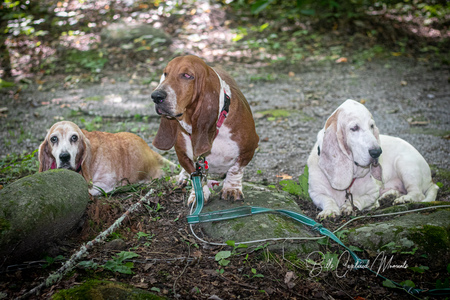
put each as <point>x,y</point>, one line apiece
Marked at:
<point>408,99</point>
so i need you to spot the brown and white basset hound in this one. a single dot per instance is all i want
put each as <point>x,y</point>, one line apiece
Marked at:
<point>105,159</point>
<point>203,113</point>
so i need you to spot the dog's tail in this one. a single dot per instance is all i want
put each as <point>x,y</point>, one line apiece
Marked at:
<point>431,193</point>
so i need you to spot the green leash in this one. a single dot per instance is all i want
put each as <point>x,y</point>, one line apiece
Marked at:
<point>198,217</point>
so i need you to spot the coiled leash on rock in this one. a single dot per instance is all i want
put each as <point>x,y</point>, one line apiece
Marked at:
<point>198,217</point>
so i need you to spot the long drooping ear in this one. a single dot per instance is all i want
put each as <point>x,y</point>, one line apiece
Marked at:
<point>86,158</point>
<point>45,157</point>
<point>206,112</point>
<point>167,134</point>
<point>376,171</point>
<point>333,161</point>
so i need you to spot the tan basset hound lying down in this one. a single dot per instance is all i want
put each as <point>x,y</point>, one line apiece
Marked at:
<point>105,159</point>
<point>353,166</point>
<point>193,100</point>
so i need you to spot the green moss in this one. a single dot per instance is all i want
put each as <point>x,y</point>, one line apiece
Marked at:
<point>97,290</point>
<point>410,206</point>
<point>429,131</point>
<point>432,239</point>
<point>4,225</point>
<point>283,226</point>
<point>238,226</point>
<point>276,113</point>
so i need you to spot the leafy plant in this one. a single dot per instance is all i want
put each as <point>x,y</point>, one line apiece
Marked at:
<point>51,260</point>
<point>118,264</point>
<point>15,166</point>
<point>92,60</point>
<point>222,256</point>
<point>88,264</point>
<point>255,274</point>
<point>298,189</point>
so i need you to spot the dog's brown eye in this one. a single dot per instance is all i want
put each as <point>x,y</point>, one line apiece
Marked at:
<point>355,128</point>
<point>187,76</point>
<point>74,138</point>
<point>54,139</point>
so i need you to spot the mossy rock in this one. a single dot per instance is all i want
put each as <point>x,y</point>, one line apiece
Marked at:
<point>38,210</point>
<point>424,233</point>
<point>98,290</point>
<point>260,226</point>
<point>120,32</point>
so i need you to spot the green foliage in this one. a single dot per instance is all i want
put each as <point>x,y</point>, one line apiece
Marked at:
<point>389,284</point>
<point>50,260</point>
<point>420,269</point>
<point>15,166</point>
<point>118,264</point>
<point>88,264</point>
<point>221,258</point>
<point>93,125</point>
<point>6,84</point>
<point>92,60</point>
<point>446,283</point>
<point>298,189</point>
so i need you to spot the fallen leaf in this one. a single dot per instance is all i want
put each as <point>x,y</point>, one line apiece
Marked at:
<point>284,176</point>
<point>45,102</point>
<point>341,60</point>
<point>291,74</point>
<point>403,83</point>
<point>363,101</point>
<point>288,278</point>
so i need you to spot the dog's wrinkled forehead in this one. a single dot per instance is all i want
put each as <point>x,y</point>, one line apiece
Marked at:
<point>63,130</point>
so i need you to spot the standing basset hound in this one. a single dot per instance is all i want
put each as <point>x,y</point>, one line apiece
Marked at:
<point>203,113</point>
<point>105,159</point>
<point>353,166</point>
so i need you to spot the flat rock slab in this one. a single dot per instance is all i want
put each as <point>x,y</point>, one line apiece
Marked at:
<point>259,226</point>
<point>425,232</point>
<point>38,210</point>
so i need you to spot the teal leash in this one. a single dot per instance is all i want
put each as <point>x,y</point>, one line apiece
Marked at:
<point>244,211</point>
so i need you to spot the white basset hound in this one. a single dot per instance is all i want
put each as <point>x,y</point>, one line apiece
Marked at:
<point>195,101</point>
<point>347,168</point>
<point>104,159</point>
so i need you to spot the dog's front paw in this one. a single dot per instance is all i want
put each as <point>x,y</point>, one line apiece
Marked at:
<point>206,195</point>
<point>410,197</point>
<point>182,178</point>
<point>347,208</point>
<point>328,213</point>
<point>232,194</point>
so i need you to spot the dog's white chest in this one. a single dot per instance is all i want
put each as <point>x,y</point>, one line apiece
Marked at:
<point>224,151</point>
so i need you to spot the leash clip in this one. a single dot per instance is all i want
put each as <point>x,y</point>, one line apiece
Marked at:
<point>201,167</point>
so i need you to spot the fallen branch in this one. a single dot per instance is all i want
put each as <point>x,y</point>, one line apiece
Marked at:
<point>71,263</point>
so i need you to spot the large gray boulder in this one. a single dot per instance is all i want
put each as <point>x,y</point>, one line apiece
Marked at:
<point>38,210</point>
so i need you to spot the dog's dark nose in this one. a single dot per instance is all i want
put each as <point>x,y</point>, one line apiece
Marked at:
<point>159,96</point>
<point>64,157</point>
<point>375,153</point>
